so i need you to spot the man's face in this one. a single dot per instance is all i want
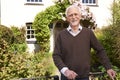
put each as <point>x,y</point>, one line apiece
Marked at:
<point>73,17</point>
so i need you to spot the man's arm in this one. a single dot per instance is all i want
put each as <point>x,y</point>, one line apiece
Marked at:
<point>102,56</point>
<point>57,54</point>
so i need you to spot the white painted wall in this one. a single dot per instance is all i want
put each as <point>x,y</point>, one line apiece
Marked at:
<point>102,12</point>
<point>15,12</point>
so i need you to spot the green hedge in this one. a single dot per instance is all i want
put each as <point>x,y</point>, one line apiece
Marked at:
<point>15,66</point>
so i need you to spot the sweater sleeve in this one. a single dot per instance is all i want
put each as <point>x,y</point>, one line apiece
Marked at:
<point>57,54</point>
<point>101,53</point>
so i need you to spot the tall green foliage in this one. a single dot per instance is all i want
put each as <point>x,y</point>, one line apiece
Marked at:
<point>115,33</point>
<point>111,36</point>
<point>109,39</point>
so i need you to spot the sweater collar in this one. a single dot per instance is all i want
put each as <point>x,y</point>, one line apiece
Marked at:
<point>79,28</point>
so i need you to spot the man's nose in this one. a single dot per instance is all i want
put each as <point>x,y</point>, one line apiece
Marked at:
<point>73,16</point>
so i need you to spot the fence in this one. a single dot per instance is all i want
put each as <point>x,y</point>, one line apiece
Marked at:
<point>92,76</point>
<point>103,76</point>
<point>55,77</point>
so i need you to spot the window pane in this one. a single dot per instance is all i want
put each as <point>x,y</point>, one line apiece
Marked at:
<point>28,36</point>
<point>28,32</point>
<point>32,31</point>
<point>28,0</point>
<point>36,0</point>
<point>28,27</point>
<point>40,0</point>
<point>90,1</point>
<point>94,1</point>
<point>86,1</point>
<point>32,36</point>
<point>83,1</point>
<point>32,0</point>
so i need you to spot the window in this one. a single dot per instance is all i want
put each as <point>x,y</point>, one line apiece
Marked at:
<point>30,32</point>
<point>34,2</point>
<point>89,2</point>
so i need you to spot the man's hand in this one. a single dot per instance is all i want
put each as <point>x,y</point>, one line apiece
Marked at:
<point>70,74</point>
<point>111,73</point>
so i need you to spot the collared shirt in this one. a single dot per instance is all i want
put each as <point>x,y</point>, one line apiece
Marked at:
<point>72,32</point>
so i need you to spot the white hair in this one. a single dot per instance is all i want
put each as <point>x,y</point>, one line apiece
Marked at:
<point>72,6</point>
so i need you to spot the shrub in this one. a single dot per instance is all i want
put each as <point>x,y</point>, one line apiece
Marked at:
<point>14,66</point>
<point>19,45</point>
<point>6,34</point>
<point>19,34</point>
<point>110,41</point>
<point>11,65</point>
<point>43,65</point>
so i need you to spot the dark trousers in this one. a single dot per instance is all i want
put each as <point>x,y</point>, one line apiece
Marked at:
<point>64,78</point>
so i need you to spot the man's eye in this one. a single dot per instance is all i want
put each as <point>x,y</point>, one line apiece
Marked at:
<point>71,15</point>
<point>75,14</point>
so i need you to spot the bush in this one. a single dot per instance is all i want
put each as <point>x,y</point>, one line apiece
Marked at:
<point>14,66</point>
<point>43,65</point>
<point>14,38</point>
<point>111,42</point>
<point>6,34</point>
<point>107,37</point>
<point>19,45</point>
<point>19,34</point>
<point>42,31</point>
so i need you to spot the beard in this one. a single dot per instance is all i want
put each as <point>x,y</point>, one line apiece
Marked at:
<point>74,23</point>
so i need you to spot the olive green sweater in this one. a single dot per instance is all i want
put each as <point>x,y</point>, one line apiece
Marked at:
<point>74,51</point>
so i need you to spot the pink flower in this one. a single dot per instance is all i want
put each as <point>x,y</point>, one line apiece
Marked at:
<point>87,15</point>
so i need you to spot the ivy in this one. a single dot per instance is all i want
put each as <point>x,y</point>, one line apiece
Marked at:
<point>43,19</point>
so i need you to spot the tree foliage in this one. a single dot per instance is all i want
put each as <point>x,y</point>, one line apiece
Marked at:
<point>110,36</point>
<point>111,42</point>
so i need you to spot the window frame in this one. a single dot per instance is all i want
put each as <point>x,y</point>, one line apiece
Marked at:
<point>33,2</point>
<point>88,3</point>
<point>30,34</point>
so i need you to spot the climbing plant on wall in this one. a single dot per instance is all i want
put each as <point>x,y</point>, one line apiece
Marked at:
<point>43,19</point>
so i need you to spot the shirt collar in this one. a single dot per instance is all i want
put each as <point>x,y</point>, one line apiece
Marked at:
<point>69,28</point>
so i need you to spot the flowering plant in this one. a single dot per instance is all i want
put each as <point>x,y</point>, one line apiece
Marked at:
<point>87,18</point>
